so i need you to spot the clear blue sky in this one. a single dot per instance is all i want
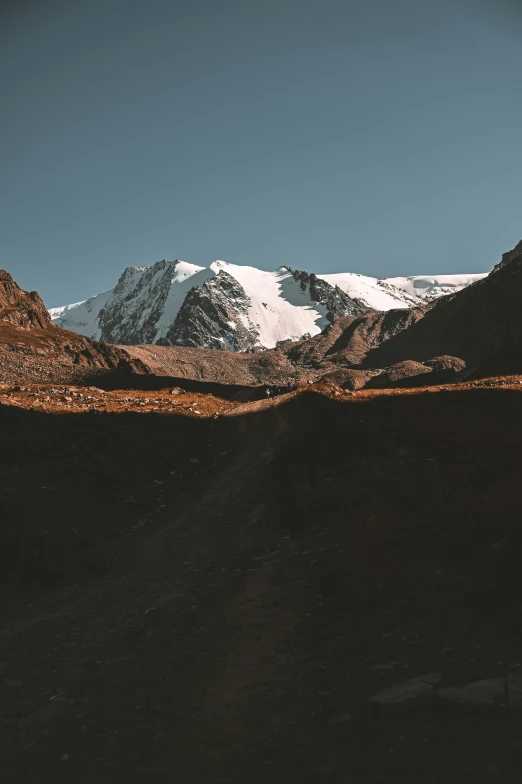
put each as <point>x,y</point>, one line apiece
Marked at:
<point>377,136</point>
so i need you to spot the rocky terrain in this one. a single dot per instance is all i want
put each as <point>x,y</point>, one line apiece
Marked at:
<point>33,349</point>
<point>21,309</point>
<point>474,325</point>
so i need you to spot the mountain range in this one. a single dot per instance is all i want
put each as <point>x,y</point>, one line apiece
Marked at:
<point>433,338</point>
<point>239,308</point>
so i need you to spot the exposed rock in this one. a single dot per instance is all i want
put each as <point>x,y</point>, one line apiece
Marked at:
<point>138,301</point>
<point>349,378</point>
<point>509,256</point>
<point>398,375</point>
<point>34,350</point>
<point>446,363</point>
<point>23,309</point>
<point>213,316</point>
<point>336,302</point>
<point>348,341</point>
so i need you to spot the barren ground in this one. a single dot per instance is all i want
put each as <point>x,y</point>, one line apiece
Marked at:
<point>206,589</point>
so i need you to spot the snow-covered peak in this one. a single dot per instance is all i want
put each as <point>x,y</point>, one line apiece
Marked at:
<point>184,270</point>
<point>150,304</point>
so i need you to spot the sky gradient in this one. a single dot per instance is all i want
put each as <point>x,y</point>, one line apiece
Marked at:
<point>374,136</point>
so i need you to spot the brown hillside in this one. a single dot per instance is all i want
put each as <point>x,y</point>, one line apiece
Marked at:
<point>33,350</point>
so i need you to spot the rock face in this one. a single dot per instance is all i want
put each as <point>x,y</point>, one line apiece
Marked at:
<point>23,309</point>
<point>213,316</point>
<point>33,350</point>
<point>218,314</point>
<point>511,255</point>
<point>144,301</point>
<point>334,299</point>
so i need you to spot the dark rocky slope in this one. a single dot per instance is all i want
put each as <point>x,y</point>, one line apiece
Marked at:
<point>474,324</point>
<point>195,600</point>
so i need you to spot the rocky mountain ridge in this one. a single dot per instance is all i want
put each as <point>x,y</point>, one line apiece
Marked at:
<point>237,308</point>
<point>23,309</point>
<point>440,341</point>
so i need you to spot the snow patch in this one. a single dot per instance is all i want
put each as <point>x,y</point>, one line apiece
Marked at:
<point>82,317</point>
<point>429,287</point>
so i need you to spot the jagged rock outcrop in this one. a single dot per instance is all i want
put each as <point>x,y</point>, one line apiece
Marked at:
<point>24,309</point>
<point>214,316</point>
<point>34,350</point>
<point>141,305</point>
<point>511,255</point>
<point>336,302</point>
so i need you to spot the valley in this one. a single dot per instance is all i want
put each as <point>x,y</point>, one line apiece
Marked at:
<point>299,564</point>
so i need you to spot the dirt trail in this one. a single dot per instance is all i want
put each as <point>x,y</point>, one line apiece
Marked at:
<point>280,579</point>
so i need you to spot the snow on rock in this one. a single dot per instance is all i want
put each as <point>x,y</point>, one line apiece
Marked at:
<point>235,307</point>
<point>378,294</point>
<point>211,316</point>
<point>285,304</point>
<point>82,317</point>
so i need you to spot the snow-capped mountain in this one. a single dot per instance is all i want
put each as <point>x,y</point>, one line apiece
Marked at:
<point>427,287</point>
<point>238,308</point>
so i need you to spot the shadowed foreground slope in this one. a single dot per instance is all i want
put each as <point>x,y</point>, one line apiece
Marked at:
<point>216,600</point>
